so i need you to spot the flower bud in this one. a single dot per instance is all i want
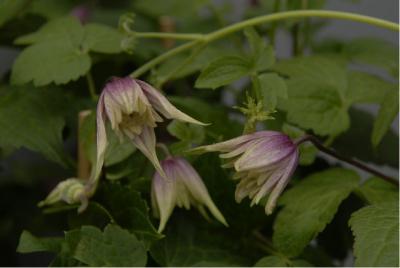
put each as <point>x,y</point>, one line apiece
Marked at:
<point>264,162</point>
<point>183,188</point>
<point>70,191</point>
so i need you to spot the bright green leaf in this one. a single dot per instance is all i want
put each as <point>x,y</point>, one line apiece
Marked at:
<point>387,113</point>
<point>376,231</point>
<point>113,247</point>
<point>375,190</point>
<point>311,205</point>
<point>223,71</point>
<point>33,118</point>
<point>272,88</point>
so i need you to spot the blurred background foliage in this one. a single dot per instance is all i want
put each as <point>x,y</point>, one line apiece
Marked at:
<point>39,128</point>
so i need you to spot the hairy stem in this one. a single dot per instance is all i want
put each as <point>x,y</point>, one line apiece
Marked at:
<point>207,38</point>
<point>353,162</point>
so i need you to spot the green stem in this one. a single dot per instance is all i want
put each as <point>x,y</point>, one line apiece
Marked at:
<point>91,86</point>
<point>207,38</point>
<point>177,36</point>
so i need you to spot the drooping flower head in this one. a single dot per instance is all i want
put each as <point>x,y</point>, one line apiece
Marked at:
<point>183,188</point>
<point>264,162</point>
<point>133,109</point>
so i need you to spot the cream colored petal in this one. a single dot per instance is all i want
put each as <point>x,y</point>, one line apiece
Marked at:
<point>101,143</point>
<point>188,176</point>
<point>146,143</point>
<point>232,144</point>
<point>163,198</point>
<point>162,105</point>
<point>284,180</point>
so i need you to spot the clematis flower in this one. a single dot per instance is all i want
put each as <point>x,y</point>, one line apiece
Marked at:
<point>264,162</point>
<point>70,191</point>
<point>183,188</point>
<point>133,108</point>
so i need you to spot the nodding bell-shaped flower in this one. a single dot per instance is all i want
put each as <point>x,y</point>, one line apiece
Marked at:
<point>133,108</point>
<point>70,191</point>
<point>264,162</point>
<point>183,188</point>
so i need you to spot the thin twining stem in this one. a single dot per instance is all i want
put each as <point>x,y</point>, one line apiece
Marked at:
<point>218,34</point>
<point>353,162</point>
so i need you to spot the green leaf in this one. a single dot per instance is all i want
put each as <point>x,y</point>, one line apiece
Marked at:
<point>356,142</point>
<point>59,51</point>
<point>271,261</point>
<point>366,88</point>
<point>113,247</point>
<point>375,191</point>
<point>272,88</point>
<point>387,113</point>
<point>10,8</point>
<point>129,210</point>
<point>221,126</point>
<point>186,132</point>
<point>33,118</point>
<point>311,205</point>
<point>223,71</point>
<point>376,231</point>
<point>29,243</point>
<point>263,56</point>
<point>46,62</point>
<point>185,245</point>
<point>374,52</point>
<point>316,89</point>
<point>103,39</point>
<point>67,29</point>
<point>278,261</point>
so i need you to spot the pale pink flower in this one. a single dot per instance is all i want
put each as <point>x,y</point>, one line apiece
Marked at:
<point>264,162</point>
<point>183,188</point>
<point>133,109</point>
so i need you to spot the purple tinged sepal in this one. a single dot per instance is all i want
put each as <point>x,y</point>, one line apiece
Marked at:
<point>183,188</point>
<point>133,109</point>
<point>264,161</point>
